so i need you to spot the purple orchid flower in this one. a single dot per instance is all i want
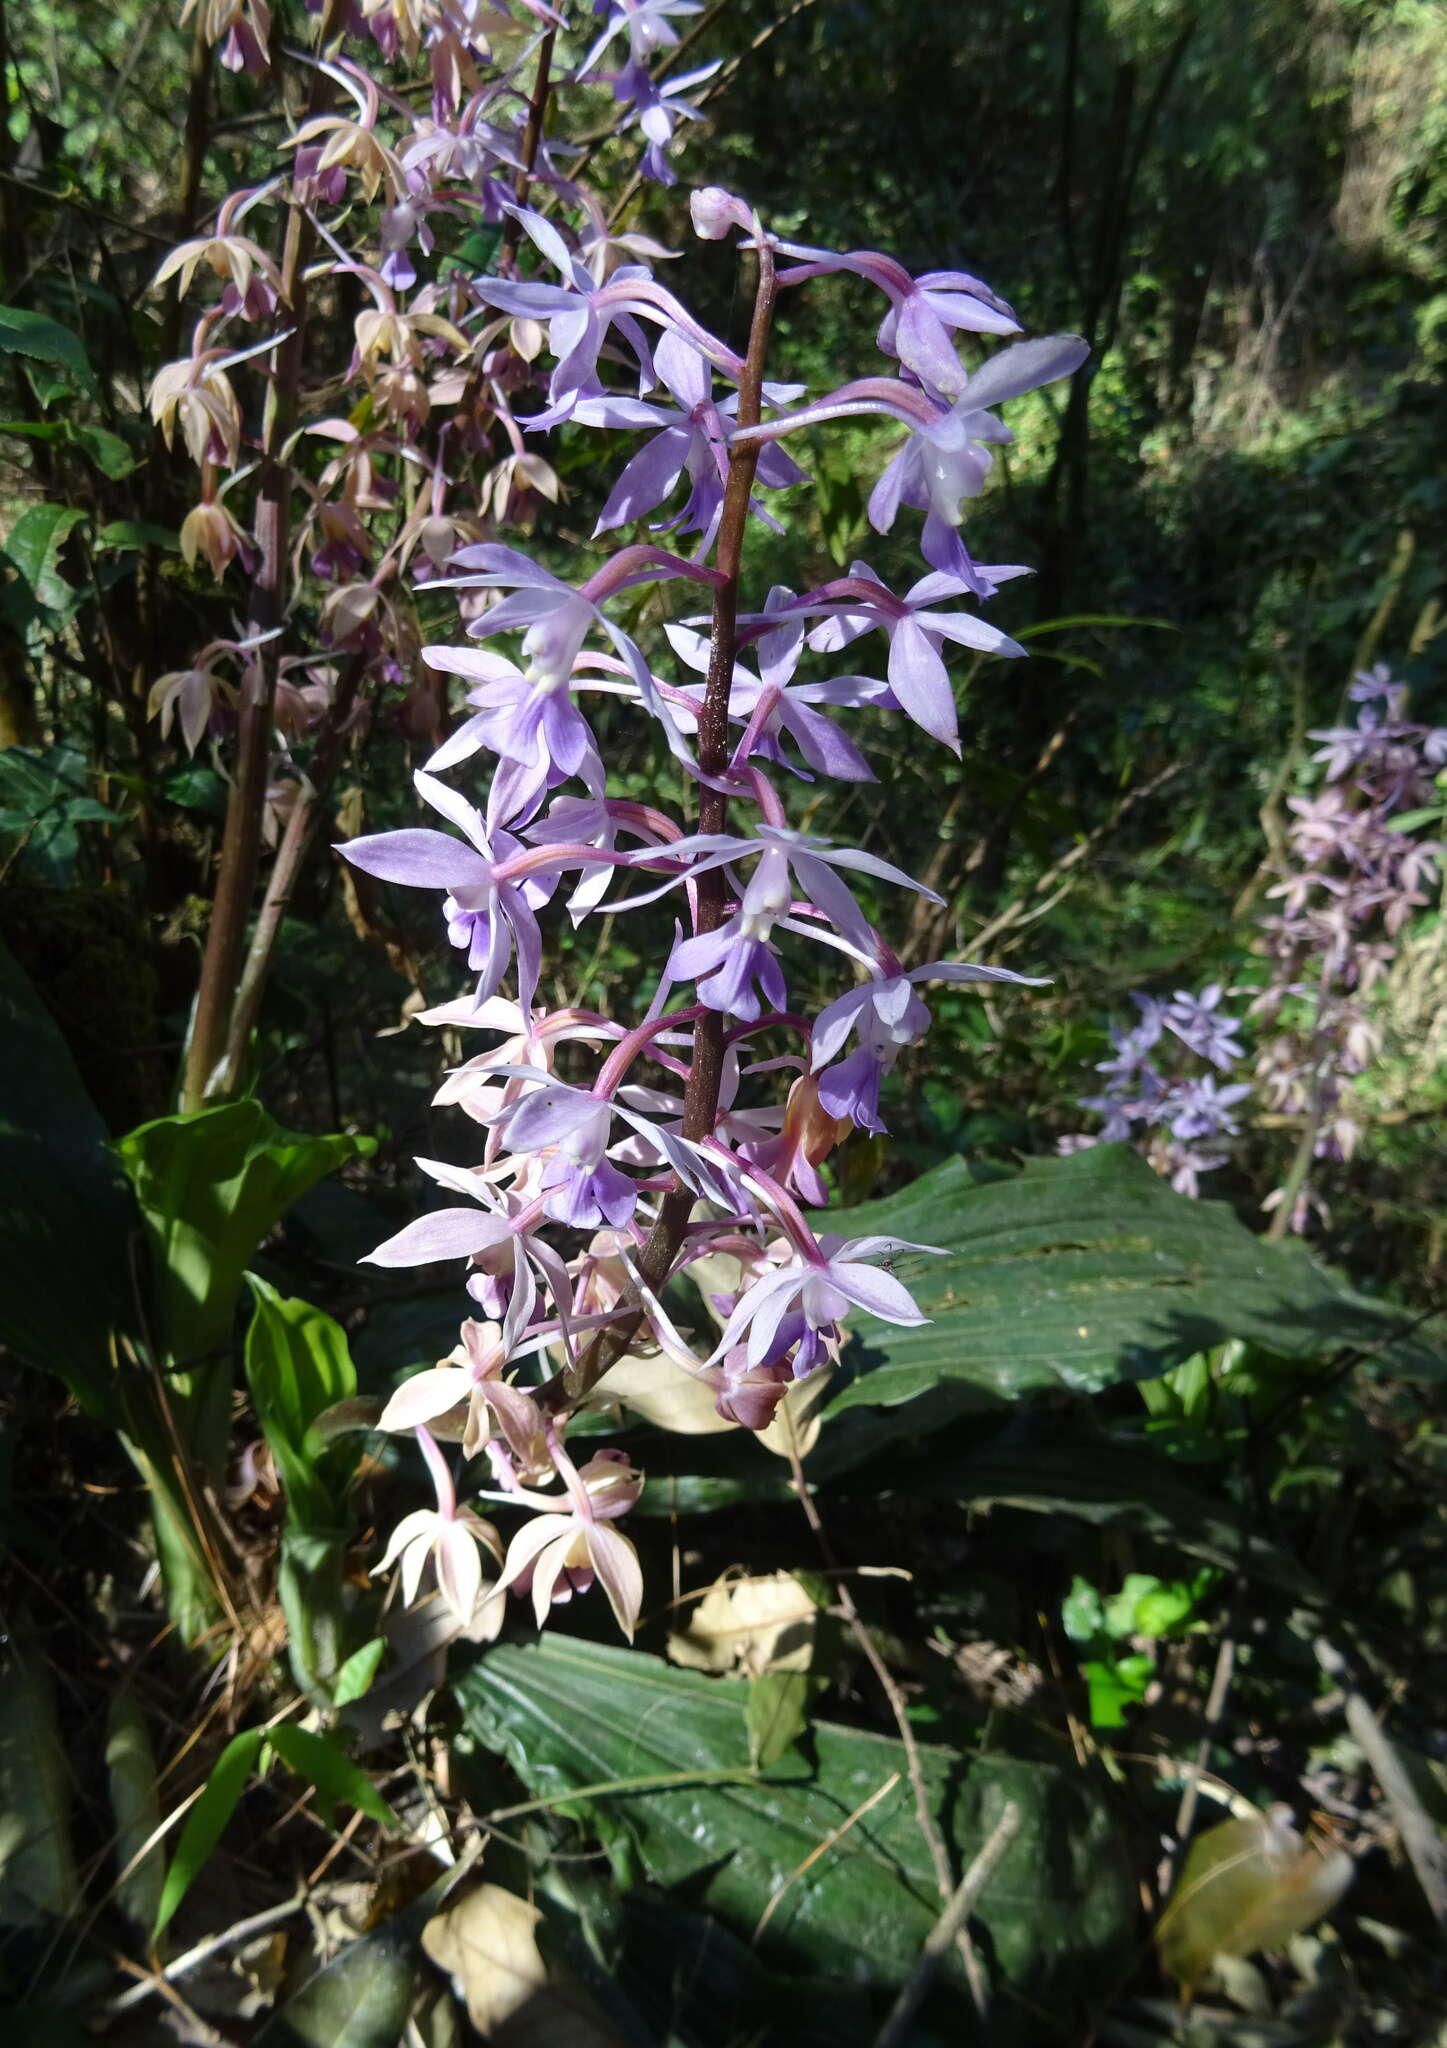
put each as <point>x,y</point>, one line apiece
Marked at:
<point>923,311</point>
<point>648,24</point>
<point>819,1289</point>
<point>782,852</point>
<point>1201,1108</point>
<point>580,313</point>
<point>658,107</point>
<point>918,681</point>
<point>556,618</point>
<point>1197,1022</point>
<point>528,719</point>
<point>694,439</point>
<point>771,704</point>
<point>487,917</point>
<point>887,1015</point>
<point>584,1188</point>
<point>946,458</point>
<point>495,1239</point>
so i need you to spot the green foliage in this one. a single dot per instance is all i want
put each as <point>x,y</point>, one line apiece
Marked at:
<point>1145,1606</point>
<point>297,1366</point>
<point>776,1714</point>
<point>316,1758</point>
<point>354,1680</point>
<point>42,340</point>
<point>361,1999</point>
<point>32,548</point>
<point>576,1719</point>
<point>1077,1272</point>
<point>210,1187</point>
<point>131,1771</point>
<point>61,1199</point>
<point>45,798</point>
<point>206,1823</point>
<point>337,1780</point>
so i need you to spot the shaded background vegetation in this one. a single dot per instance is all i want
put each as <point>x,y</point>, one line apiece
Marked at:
<point>1242,205</point>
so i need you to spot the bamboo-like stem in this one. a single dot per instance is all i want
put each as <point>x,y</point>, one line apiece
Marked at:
<point>298,843</point>
<point>241,843</point>
<point>701,1090</point>
<point>532,138</point>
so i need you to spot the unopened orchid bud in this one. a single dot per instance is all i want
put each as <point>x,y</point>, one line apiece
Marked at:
<point>715,211</point>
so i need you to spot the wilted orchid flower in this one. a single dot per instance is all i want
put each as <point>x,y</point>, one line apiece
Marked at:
<point>190,695</point>
<point>571,1542</point>
<point>450,1537</point>
<point>209,529</point>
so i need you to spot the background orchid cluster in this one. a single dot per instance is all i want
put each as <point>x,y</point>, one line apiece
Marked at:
<point>667,1151</point>
<point>1357,869</point>
<point>1167,1086</point>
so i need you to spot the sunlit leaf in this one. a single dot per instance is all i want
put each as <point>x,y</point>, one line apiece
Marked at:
<point>1056,1916</point>
<point>338,1781</point>
<point>1079,1272</point>
<point>206,1822</point>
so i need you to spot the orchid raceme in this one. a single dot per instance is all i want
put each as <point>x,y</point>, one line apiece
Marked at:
<point>622,1154</point>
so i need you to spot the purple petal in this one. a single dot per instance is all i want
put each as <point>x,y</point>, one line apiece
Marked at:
<point>920,681</point>
<point>419,859</point>
<point>1024,366</point>
<point>833,1025</point>
<point>921,341</point>
<point>646,479</point>
<point>880,1293</point>
<point>445,1234</point>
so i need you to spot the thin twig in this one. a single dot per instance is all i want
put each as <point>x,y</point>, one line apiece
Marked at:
<point>939,1855</point>
<point>203,1951</point>
<point>948,1928</point>
<point>1421,1838</point>
<point>1215,1708</point>
<point>821,1849</point>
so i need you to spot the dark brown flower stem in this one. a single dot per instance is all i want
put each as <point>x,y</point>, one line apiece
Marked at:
<point>298,842</point>
<point>241,842</point>
<point>701,1090</point>
<point>532,138</point>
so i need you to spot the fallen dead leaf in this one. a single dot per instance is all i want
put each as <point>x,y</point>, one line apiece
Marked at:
<point>749,1625</point>
<point>487,1942</point>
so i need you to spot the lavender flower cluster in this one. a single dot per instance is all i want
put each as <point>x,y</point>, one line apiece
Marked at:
<point>1162,1092</point>
<point>1352,881</point>
<point>694,1169</point>
<point>1353,878</point>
